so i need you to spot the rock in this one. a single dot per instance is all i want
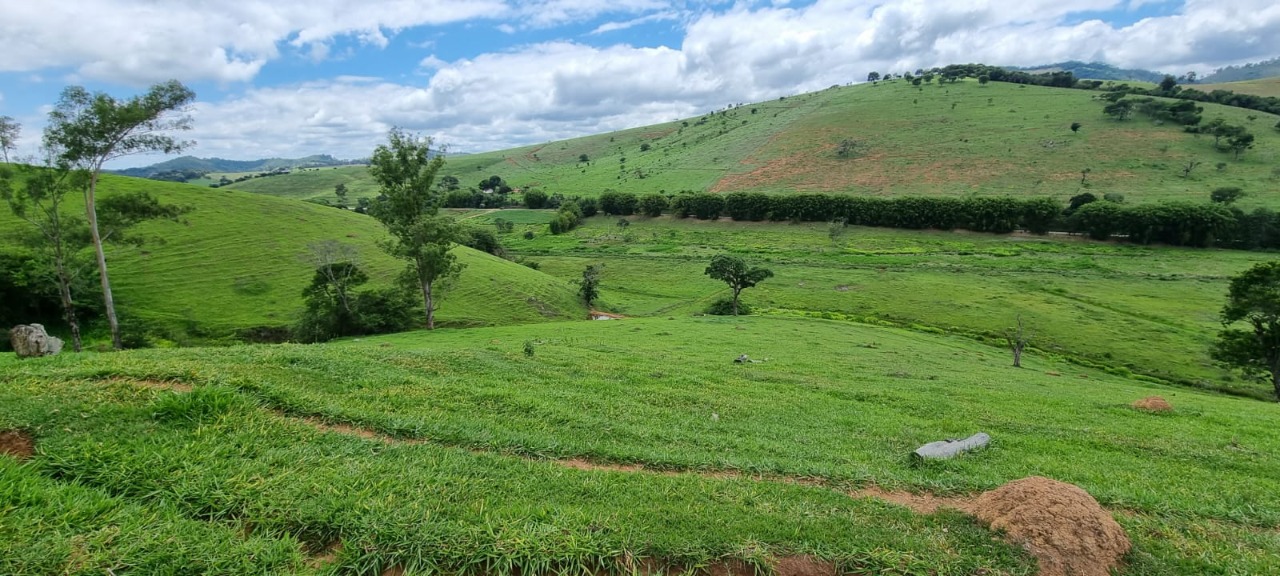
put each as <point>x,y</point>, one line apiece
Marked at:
<point>30,340</point>
<point>742,360</point>
<point>950,448</point>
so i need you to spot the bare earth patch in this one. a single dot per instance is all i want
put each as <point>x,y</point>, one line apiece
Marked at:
<point>919,503</point>
<point>17,443</point>
<point>1060,524</point>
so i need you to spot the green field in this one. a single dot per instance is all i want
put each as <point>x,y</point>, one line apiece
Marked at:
<point>1141,309</point>
<point>957,139</point>
<point>270,461</point>
<point>238,262</point>
<point>1261,87</point>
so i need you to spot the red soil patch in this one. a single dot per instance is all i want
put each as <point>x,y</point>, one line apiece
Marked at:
<point>396,570</point>
<point>17,444</point>
<point>804,566</point>
<point>918,503</point>
<point>1060,524</point>
<point>1153,404</point>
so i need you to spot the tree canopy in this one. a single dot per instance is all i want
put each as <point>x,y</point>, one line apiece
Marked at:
<point>734,271</point>
<point>1253,299</point>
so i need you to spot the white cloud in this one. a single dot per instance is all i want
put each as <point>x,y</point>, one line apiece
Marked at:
<point>140,41</point>
<point>615,26</point>
<point>747,52</point>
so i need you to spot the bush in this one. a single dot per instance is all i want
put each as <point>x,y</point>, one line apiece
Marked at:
<point>482,239</point>
<point>703,206</point>
<point>535,199</point>
<point>618,203</point>
<point>724,307</point>
<point>652,205</point>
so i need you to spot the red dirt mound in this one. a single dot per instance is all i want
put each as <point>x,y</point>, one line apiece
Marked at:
<point>17,443</point>
<point>1153,404</point>
<point>1060,524</point>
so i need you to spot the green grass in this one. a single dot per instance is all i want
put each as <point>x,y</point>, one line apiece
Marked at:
<point>311,184</point>
<point>957,139</point>
<point>1148,310</point>
<point>837,402</point>
<point>238,261</point>
<point>1260,87</point>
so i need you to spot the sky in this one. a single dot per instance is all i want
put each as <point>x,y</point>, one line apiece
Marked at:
<point>290,78</point>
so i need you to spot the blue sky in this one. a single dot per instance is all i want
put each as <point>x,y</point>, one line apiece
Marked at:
<point>291,78</point>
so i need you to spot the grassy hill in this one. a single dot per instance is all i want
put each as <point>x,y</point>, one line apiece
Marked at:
<point>956,139</point>
<point>607,446</point>
<point>238,261</point>
<point>1262,87</point>
<point>1140,309</point>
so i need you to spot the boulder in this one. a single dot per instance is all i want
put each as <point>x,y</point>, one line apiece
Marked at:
<point>30,340</point>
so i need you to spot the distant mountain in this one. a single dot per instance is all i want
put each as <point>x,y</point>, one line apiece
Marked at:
<point>1096,71</point>
<point>1265,69</point>
<point>190,164</point>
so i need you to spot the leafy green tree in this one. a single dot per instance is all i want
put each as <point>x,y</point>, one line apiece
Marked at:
<point>87,130</point>
<point>36,195</point>
<point>535,198</point>
<point>983,79</point>
<point>1226,195</point>
<point>1168,83</point>
<point>1253,298</point>
<point>448,183</point>
<point>404,169</point>
<point>652,205</point>
<point>734,271</point>
<point>589,285</point>
<point>9,132</point>
<point>1239,142</point>
<point>341,192</point>
<point>1075,126</point>
<point>873,76</point>
<point>1120,109</point>
<point>583,158</point>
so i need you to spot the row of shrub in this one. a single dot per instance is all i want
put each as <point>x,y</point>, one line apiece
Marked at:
<point>1175,223</point>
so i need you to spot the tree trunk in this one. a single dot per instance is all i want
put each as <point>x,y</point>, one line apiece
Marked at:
<point>68,305</point>
<point>1275,382</point>
<point>1017,356</point>
<point>91,213</point>
<point>426,300</point>
<point>735,301</point>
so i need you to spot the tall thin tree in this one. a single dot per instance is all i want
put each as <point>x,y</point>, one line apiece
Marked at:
<point>9,132</point>
<point>91,129</point>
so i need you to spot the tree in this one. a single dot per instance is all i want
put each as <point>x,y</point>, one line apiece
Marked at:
<point>1168,83</point>
<point>583,158</point>
<point>1188,167</point>
<point>1120,110</point>
<point>652,205</point>
<point>341,192</point>
<point>535,198</point>
<point>1254,299</point>
<point>36,196</point>
<point>872,77</point>
<point>1075,126</point>
<point>87,130</point>
<point>589,285</point>
<point>644,147</point>
<point>404,168</point>
<point>1240,142</point>
<point>9,132</point>
<point>1226,195</point>
<point>983,79</point>
<point>1017,338</point>
<point>734,271</point>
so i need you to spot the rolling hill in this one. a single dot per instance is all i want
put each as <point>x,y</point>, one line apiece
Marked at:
<point>184,163</point>
<point>1261,87</point>
<point>237,263</point>
<point>957,139</point>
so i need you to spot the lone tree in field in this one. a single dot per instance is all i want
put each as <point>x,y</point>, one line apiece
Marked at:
<point>1075,126</point>
<point>404,169</point>
<point>1254,299</point>
<point>589,286</point>
<point>734,271</point>
<point>9,132</point>
<point>87,130</point>
<point>1017,337</point>
<point>1226,195</point>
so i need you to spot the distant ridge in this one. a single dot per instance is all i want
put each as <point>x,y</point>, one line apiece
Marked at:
<point>1255,71</point>
<point>1095,71</point>
<point>188,164</point>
